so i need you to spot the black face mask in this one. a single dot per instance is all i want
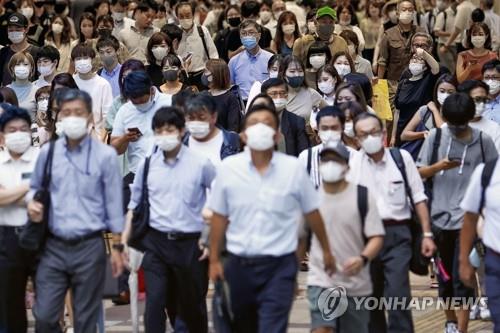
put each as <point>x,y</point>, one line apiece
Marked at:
<point>170,75</point>
<point>104,32</point>
<point>234,21</point>
<point>59,8</point>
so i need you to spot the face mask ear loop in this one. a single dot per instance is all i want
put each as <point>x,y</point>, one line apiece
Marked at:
<point>460,171</point>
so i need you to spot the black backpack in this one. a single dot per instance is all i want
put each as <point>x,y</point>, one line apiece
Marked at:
<point>486,175</point>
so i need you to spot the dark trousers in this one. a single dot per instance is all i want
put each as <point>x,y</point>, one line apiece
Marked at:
<point>261,292</point>
<point>16,265</point>
<point>492,282</point>
<point>389,272</point>
<point>174,275</point>
<point>77,267</point>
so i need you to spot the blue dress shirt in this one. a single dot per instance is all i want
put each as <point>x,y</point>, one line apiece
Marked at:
<point>264,210</point>
<point>85,188</point>
<point>492,111</point>
<point>246,68</point>
<point>177,190</point>
<point>112,78</point>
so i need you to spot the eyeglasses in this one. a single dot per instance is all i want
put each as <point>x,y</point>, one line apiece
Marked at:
<point>481,100</point>
<point>276,94</point>
<point>248,33</point>
<point>491,77</point>
<point>374,132</point>
<point>420,46</point>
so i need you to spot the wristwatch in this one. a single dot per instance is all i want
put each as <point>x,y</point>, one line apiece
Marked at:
<point>428,234</point>
<point>118,247</point>
<point>365,259</point>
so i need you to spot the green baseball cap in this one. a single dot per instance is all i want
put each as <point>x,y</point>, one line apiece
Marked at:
<point>326,11</point>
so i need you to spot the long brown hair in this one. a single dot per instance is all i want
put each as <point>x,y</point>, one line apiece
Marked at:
<point>279,38</point>
<point>220,74</point>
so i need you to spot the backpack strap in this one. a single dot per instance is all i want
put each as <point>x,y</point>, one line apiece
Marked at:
<point>398,159</point>
<point>202,36</point>
<point>435,146</point>
<point>145,192</point>
<point>486,175</point>
<point>482,147</point>
<point>363,208</point>
<point>309,160</point>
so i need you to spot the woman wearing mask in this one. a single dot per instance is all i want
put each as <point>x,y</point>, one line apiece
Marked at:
<point>348,21</point>
<point>101,7</point>
<point>159,46</point>
<point>229,21</point>
<point>22,68</point>
<point>301,99</point>
<point>273,67</point>
<point>287,32</point>
<point>318,55</point>
<point>413,91</point>
<point>390,19</point>
<point>350,92</point>
<point>42,127</point>
<point>59,36</point>
<point>327,80</point>
<point>343,64</point>
<point>173,75</point>
<point>361,65</point>
<point>35,32</point>
<point>428,116</point>
<point>370,26</point>
<point>351,111</point>
<point>310,21</point>
<point>88,34</point>
<point>266,18</point>
<point>216,77</point>
<point>61,8</point>
<point>470,62</point>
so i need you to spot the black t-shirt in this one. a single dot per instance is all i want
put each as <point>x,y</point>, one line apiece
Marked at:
<point>6,54</point>
<point>228,111</point>
<point>234,41</point>
<point>155,73</point>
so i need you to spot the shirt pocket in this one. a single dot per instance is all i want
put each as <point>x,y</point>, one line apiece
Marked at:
<point>397,48</point>
<point>397,193</point>
<point>191,192</point>
<point>89,186</point>
<point>275,201</point>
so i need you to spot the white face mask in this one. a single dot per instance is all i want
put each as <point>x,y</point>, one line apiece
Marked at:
<point>198,129</point>
<point>57,28</point>
<point>145,107</point>
<point>74,127</point>
<point>349,129</point>
<point>260,137</point>
<point>332,172</point>
<point>406,17</point>
<point>372,144</point>
<point>273,74</point>
<point>186,24</point>
<point>27,11</point>
<point>277,15</point>
<point>311,27</point>
<point>16,37</point>
<point>118,17</point>
<point>326,87</point>
<point>46,70</point>
<point>43,105</point>
<point>494,86</point>
<point>441,97</point>
<point>317,61</point>
<point>159,52</point>
<point>280,103</point>
<point>265,16</point>
<point>478,41</point>
<point>22,72</point>
<point>167,142</point>
<point>83,66</point>
<point>393,16</point>
<point>480,109</point>
<point>330,136</point>
<point>288,29</point>
<point>342,69</point>
<point>18,142</point>
<point>416,69</point>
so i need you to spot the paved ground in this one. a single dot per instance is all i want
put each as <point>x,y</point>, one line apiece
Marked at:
<point>426,321</point>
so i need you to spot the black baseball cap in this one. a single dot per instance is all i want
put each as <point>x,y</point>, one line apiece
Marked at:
<point>338,149</point>
<point>18,20</point>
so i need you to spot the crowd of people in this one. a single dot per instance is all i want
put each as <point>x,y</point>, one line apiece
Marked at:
<point>239,142</point>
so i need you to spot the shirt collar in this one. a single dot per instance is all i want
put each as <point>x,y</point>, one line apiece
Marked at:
<point>27,157</point>
<point>179,155</point>
<point>114,71</point>
<point>248,154</point>
<point>382,162</point>
<point>84,143</point>
<point>133,28</point>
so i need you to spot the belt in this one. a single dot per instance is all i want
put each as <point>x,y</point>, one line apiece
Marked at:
<point>77,240</point>
<point>172,235</point>
<point>256,260</point>
<point>393,223</point>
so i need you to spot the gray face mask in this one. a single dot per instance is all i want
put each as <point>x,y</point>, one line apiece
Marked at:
<point>457,129</point>
<point>325,31</point>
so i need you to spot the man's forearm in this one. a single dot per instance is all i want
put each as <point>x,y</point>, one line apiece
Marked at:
<point>381,71</point>
<point>317,226</point>
<point>423,215</point>
<point>452,38</point>
<point>120,143</point>
<point>467,235</point>
<point>218,229</point>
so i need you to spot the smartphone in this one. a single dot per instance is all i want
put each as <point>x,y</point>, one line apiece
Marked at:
<point>454,158</point>
<point>134,129</point>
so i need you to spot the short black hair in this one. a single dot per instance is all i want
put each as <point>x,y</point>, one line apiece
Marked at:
<point>201,102</point>
<point>367,115</point>
<point>137,84</point>
<point>477,15</point>
<point>108,41</point>
<point>258,108</point>
<point>82,50</point>
<point>49,52</point>
<point>179,100</point>
<point>492,64</point>
<point>182,4</point>
<point>274,82</point>
<point>122,3</point>
<point>71,95</point>
<point>331,111</point>
<point>169,115</point>
<point>145,6</point>
<point>458,109</point>
<point>468,85</point>
<point>172,31</point>
<point>250,8</point>
<point>12,113</point>
<point>363,82</point>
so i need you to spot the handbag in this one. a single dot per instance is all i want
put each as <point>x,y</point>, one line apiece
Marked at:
<point>33,235</point>
<point>414,146</point>
<point>140,216</point>
<point>418,264</point>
